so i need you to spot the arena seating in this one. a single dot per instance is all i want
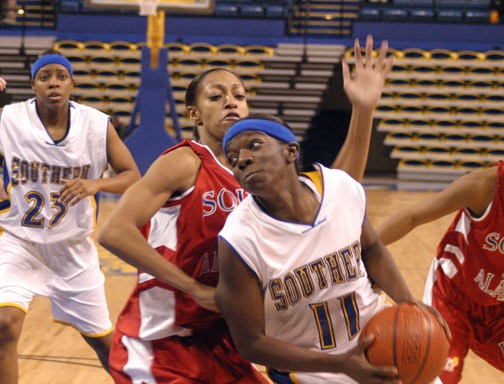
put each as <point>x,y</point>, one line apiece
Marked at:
<point>35,15</point>
<point>439,11</point>
<point>442,111</point>
<point>287,80</point>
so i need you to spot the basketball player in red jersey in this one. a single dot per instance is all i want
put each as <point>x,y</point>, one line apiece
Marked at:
<point>170,330</point>
<point>466,279</point>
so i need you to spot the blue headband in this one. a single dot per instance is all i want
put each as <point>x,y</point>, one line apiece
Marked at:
<point>50,59</point>
<point>276,130</point>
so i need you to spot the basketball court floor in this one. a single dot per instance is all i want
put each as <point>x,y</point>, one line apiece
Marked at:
<point>54,354</point>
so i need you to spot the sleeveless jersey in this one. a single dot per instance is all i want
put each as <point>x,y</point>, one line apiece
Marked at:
<point>471,253</point>
<point>184,231</point>
<point>316,291</point>
<point>35,165</point>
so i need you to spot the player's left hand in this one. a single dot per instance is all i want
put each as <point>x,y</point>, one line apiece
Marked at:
<point>75,190</point>
<point>364,86</point>
<point>3,84</point>
<point>438,317</point>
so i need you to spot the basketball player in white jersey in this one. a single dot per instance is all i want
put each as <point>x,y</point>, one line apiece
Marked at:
<point>296,261</point>
<point>55,152</point>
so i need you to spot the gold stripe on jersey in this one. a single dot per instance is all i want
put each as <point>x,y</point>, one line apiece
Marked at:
<point>316,178</point>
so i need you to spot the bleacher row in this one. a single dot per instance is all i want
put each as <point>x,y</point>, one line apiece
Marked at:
<point>287,80</point>
<point>443,111</point>
<point>444,11</point>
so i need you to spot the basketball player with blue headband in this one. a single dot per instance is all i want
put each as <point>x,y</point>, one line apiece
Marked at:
<point>296,258</point>
<point>272,128</point>
<point>55,152</point>
<point>51,59</point>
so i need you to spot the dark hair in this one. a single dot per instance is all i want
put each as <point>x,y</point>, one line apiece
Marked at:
<point>267,116</point>
<point>194,87</point>
<point>50,52</point>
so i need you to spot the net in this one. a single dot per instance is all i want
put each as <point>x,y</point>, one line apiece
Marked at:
<point>148,7</point>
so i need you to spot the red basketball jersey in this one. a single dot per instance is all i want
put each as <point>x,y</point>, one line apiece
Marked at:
<point>471,254</point>
<point>185,231</point>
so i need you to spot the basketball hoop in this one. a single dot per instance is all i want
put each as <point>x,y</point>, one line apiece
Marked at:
<point>148,7</point>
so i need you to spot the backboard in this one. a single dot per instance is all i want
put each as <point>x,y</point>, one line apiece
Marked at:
<point>170,6</point>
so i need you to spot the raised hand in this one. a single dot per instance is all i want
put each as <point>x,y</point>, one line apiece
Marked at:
<point>364,85</point>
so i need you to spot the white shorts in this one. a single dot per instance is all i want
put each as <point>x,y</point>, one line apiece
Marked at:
<point>68,273</point>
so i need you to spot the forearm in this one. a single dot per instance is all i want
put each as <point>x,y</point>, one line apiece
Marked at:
<point>353,155</point>
<point>383,271</point>
<point>127,243</point>
<point>395,228</point>
<point>277,354</point>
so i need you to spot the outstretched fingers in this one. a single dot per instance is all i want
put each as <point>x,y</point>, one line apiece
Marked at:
<point>358,56</point>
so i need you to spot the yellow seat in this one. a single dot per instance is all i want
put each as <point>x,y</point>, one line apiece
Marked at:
<point>416,54</point>
<point>96,46</point>
<point>230,49</point>
<point>443,54</point>
<point>494,55</point>
<point>413,163</point>
<point>202,49</point>
<point>470,55</point>
<point>122,46</point>
<point>220,63</point>
<point>258,50</point>
<point>68,45</point>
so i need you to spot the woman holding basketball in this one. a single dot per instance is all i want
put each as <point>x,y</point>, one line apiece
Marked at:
<point>170,328</point>
<point>296,261</point>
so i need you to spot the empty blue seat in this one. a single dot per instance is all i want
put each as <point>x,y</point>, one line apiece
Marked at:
<point>422,3</point>
<point>226,10</point>
<point>370,14</point>
<point>477,16</point>
<point>451,4</point>
<point>478,4</point>
<point>421,15</point>
<point>413,3</point>
<point>275,11</point>
<point>395,14</point>
<point>70,6</point>
<point>252,11</point>
<point>449,15</point>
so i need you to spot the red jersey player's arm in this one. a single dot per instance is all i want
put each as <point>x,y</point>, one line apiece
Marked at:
<point>121,234</point>
<point>474,191</point>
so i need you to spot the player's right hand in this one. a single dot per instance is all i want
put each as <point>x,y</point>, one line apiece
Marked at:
<point>361,370</point>
<point>204,296</point>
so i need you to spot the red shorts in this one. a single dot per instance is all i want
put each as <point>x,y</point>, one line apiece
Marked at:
<point>473,326</point>
<point>208,357</point>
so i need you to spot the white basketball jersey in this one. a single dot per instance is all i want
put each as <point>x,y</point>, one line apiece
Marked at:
<point>35,165</point>
<point>316,291</point>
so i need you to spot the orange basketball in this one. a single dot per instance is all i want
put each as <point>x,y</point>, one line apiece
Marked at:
<point>409,338</point>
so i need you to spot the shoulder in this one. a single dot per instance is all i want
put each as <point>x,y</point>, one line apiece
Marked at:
<point>178,168</point>
<point>180,157</point>
<point>338,178</point>
<point>89,111</point>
